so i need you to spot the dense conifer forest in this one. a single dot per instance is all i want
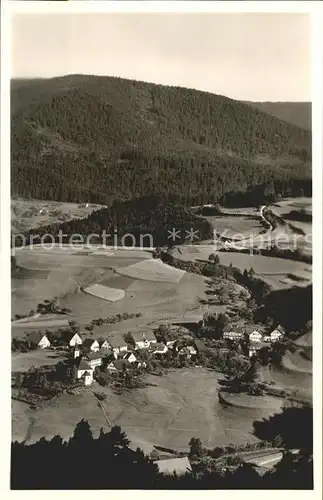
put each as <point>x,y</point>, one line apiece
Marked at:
<point>151,215</point>
<point>99,139</point>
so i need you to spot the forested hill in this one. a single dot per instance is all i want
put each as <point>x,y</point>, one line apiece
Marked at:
<point>87,138</point>
<point>296,113</point>
<point>148,215</point>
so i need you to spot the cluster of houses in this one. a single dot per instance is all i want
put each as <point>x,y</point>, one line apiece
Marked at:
<point>256,339</point>
<point>119,353</point>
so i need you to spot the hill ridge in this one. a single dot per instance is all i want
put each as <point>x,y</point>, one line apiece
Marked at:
<point>76,136</point>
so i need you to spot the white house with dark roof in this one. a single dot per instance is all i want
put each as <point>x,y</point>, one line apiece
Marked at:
<point>118,365</point>
<point>159,348</point>
<point>105,345</point>
<point>277,333</point>
<point>38,339</point>
<point>255,336</point>
<point>91,345</point>
<point>143,340</point>
<point>233,333</point>
<point>130,357</point>
<point>94,359</point>
<point>83,369</point>
<point>72,339</point>
<point>117,344</point>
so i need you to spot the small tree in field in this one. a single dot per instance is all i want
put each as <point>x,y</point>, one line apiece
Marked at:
<point>214,258</point>
<point>196,448</point>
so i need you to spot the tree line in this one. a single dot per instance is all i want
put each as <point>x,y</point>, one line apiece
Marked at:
<point>107,462</point>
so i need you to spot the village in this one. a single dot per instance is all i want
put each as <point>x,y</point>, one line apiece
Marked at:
<point>119,353</point>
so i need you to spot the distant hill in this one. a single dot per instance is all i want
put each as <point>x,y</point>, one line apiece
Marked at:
<point>99,139</point>
<point>296,113</point>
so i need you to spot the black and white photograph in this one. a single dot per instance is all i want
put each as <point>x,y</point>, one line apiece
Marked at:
<point>162,250</point>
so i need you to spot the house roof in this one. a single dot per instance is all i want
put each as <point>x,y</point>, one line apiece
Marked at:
<point>279,328</point>
<point>171,465</point>
<point>82,364</point>
<point>89,342</point>
<point>117,341</point>
<point>94,355</point>
<point>36,337</point>
<point>235,329</point>
<point>141,336</point>
<point>149,335</point>
<point>128,354</point>
<point>67,336</point>
<point>253,331</point>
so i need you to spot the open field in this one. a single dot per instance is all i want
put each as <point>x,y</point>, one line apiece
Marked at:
<point>152,288</point>
<point>30,214</point>
<point>243,226</point>
<point>236,227</point>
<point>297,362</point>
<point>255,402</point>
<point>57,417</point>
<point>289,204</point>
<point>22,361</point>
<point>297,382</point>
<point>182,404</point>
<point>305,340</point>
<point>152,270</point>
<point>279,273</point>
<point>105,292</point>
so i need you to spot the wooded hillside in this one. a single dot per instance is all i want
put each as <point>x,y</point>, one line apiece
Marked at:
<point>86,138</point>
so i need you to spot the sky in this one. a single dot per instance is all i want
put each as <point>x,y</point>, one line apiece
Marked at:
<point>254,56</point>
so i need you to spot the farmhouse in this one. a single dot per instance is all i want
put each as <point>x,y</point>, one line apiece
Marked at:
<point>130,357</point>
<point>105,345</point>
<point>159,348</point>
<point>39,340</point>
<point>170,465</point>
<point>233,333</point>
<point>255,336</point>
<point>84,370</point>
<point>72,338</point>
<point>277,333</point>
<point>187,351</point>
<point>117,344</point>
<point>91,345</point>
<point>142,340</point>
<point>94,359</point>
<point>118,365</point>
